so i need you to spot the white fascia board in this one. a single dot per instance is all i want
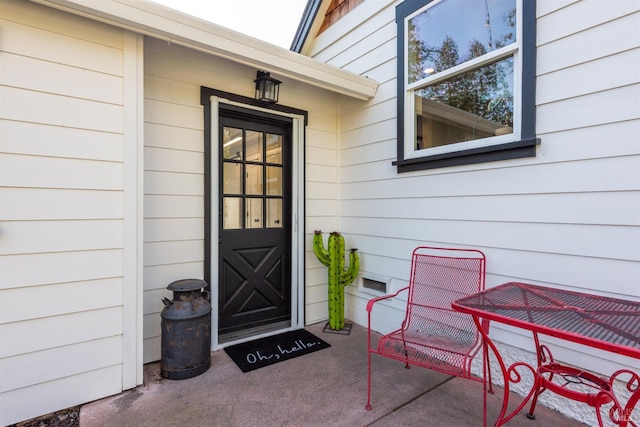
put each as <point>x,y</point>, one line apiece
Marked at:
<point>155,20</point>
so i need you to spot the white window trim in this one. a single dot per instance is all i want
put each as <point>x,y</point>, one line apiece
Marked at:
<point>513,49</point>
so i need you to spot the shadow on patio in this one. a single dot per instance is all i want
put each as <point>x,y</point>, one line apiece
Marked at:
<point>325,388</point>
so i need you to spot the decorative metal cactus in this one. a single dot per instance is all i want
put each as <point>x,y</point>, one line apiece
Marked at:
<point>339,277</point>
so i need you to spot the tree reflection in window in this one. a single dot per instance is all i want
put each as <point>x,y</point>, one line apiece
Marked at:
<point>477,99</point>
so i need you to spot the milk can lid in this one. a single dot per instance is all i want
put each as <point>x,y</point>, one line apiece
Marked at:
<point>187,285</point>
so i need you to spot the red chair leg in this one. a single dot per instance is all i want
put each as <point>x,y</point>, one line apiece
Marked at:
<point>368,406</point>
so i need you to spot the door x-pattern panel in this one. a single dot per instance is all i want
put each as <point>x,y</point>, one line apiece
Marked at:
<point>253,282</point>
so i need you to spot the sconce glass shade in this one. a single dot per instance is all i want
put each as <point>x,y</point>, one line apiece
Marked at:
<point>267,88</point>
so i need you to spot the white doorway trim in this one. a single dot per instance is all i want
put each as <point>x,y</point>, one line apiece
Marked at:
<point>297,215</point>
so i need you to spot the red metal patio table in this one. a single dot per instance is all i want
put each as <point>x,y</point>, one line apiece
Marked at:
<point>605,323</point>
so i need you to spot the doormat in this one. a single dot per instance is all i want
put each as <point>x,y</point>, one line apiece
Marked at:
<point>271,350</point>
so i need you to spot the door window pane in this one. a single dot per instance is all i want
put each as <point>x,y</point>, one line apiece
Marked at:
<point>232,143</point>
<point>254,213</point>
<point>254,146</point>
<point>274,181</point>
<point>274,148</point>
<point>274,213</point>
<point>254,179</point>
<point>232,179</point>
<point>232,213</point>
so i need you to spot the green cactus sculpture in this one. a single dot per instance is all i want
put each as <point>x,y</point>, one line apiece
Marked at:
<point>333,258</point>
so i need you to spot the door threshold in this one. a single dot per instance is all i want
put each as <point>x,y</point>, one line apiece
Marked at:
<point>252,333</point>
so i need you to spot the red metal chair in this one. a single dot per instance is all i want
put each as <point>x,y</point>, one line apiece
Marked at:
<point>432,334</point>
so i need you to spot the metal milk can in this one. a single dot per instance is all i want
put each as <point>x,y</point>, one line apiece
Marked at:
<point>186,330</point>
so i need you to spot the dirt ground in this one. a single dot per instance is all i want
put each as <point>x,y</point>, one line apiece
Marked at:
<point>69,417</point>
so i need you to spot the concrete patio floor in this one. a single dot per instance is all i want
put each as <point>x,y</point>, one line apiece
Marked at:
<point>325,388</point>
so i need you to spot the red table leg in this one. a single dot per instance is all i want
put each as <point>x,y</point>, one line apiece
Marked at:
<point>619,413</point>
<point>510,375</point>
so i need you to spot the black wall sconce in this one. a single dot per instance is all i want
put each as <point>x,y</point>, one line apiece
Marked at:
<point>267,88</point>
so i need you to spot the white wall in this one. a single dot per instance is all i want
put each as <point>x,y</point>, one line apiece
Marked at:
<point>174,171</point>
<point>63,214</point>
<point>567,218</point>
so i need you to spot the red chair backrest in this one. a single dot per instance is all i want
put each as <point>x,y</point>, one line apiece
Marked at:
<point>440,276</point>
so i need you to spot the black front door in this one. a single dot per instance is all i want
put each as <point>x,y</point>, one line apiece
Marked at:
<point>254,225</point>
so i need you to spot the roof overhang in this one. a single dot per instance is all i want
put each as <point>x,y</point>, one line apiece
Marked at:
<point>145,17</point>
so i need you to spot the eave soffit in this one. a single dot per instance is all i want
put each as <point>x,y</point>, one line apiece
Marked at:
<point>152,19</point>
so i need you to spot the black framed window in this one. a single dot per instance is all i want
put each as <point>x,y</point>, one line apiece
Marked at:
<point>466,82</point>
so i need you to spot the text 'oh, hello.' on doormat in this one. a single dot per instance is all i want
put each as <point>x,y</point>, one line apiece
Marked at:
<point>277,348</point>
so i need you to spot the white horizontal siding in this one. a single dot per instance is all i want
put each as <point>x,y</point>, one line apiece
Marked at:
<point>570,145</point>
<point>613,242</point>
<point>362,42</point>
<point>62,109</point>
<point>622,104</point>
<point>173,160</point>
<point>570,208</point>
<point>17,104</point>
<point>567,218</point>
<point>160,276</point>
<point>551,87</point>
<point>179,184</point>
<point>547,7</point>
<point>59,331</point>
<point>17,170</point>
<point>174,185</point>
<point>48,365</point>
<point>173,206</point>
<point>55,141</point>
<point>615,174</point>
<point>47,204</point>
<point>174,169</point>
<point>562,53</point>
<point>173,229</point>
<point>25,237</point>
<point>80,83</point>
<point>59,299</point>
<point>156,280</point>
<point>174,252</point>
<point>59,267</point>
<point>560,23</point>
<point>164,136</point>
<point>352,28</point>
<point>47,397</point>
<point>53,45</point>
<point>59,23</point>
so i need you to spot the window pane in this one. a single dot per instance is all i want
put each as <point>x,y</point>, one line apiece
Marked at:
<point>254,179</point>
<point>232,144</point>
<point>254,213</point>
<point>274,181</point>
<point>476,104</point>
<point>232,179</point>
<point>274,213</point>
<point>254,146</point>
<point>232,213</point>
<point>274,148</point>
<point>455,31</point>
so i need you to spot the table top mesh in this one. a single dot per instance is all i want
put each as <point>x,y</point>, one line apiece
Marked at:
<point>604,322</point>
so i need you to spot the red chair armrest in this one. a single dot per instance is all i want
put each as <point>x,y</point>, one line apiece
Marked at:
<point>383,297</point>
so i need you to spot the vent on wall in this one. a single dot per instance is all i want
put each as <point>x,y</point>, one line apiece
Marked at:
<point>375,284</point>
